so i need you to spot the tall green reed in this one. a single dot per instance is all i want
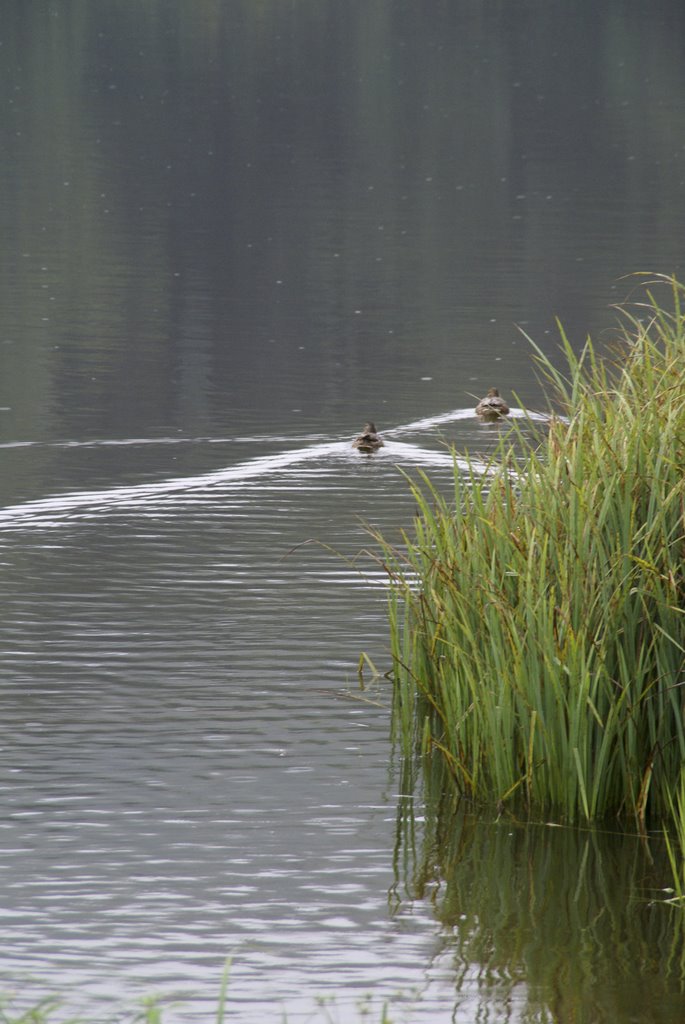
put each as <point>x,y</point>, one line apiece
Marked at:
<point>675,846</point>
<point>537,622</point>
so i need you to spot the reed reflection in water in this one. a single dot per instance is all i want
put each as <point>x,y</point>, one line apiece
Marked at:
<point>549,925</point>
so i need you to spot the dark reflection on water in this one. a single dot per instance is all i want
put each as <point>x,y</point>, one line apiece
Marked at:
<point>224,212</point>
<point>232,231</point>
<point>544,924</point>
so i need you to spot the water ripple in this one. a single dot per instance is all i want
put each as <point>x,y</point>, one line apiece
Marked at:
<point>185,771</point>
<point>296,464</point>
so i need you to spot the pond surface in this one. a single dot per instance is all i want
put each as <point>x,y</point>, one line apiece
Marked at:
<point>232,231</point>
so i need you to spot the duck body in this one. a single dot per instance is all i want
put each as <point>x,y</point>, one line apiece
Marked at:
<point>492,406</point>
<point>369,439</point>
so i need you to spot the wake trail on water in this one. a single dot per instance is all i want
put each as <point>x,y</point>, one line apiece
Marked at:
<point>56,509</point>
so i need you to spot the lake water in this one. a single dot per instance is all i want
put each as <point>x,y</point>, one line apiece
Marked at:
<point>231,232</point>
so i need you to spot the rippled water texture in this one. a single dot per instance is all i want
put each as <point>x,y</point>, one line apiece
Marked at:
<point>190,769</point>
<point>230,233</point>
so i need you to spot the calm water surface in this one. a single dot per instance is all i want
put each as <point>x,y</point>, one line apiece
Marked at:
<point>232,232</point>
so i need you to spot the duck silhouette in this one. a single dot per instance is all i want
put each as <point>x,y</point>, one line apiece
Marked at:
<point>368,440</point>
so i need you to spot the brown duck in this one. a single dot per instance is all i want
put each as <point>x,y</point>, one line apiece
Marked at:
<point>492,406</point>
<point>368,440</point>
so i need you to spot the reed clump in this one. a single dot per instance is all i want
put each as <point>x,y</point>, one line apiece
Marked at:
<point>537,621</point>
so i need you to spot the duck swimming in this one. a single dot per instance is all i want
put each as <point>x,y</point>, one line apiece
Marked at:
<point>368,440</point>
<point>492,406</point>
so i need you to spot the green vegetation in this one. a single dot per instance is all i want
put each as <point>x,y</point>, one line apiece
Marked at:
<point>50,1010</point>
<point>47,1011</point>
<point>538,629</point>
<point>676,849</point>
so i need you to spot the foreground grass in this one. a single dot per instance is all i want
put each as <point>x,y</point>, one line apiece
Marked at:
<point>676,845</point>
<point>537,619</point>
<point>47,1012</point>
<point>50,1010</point>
